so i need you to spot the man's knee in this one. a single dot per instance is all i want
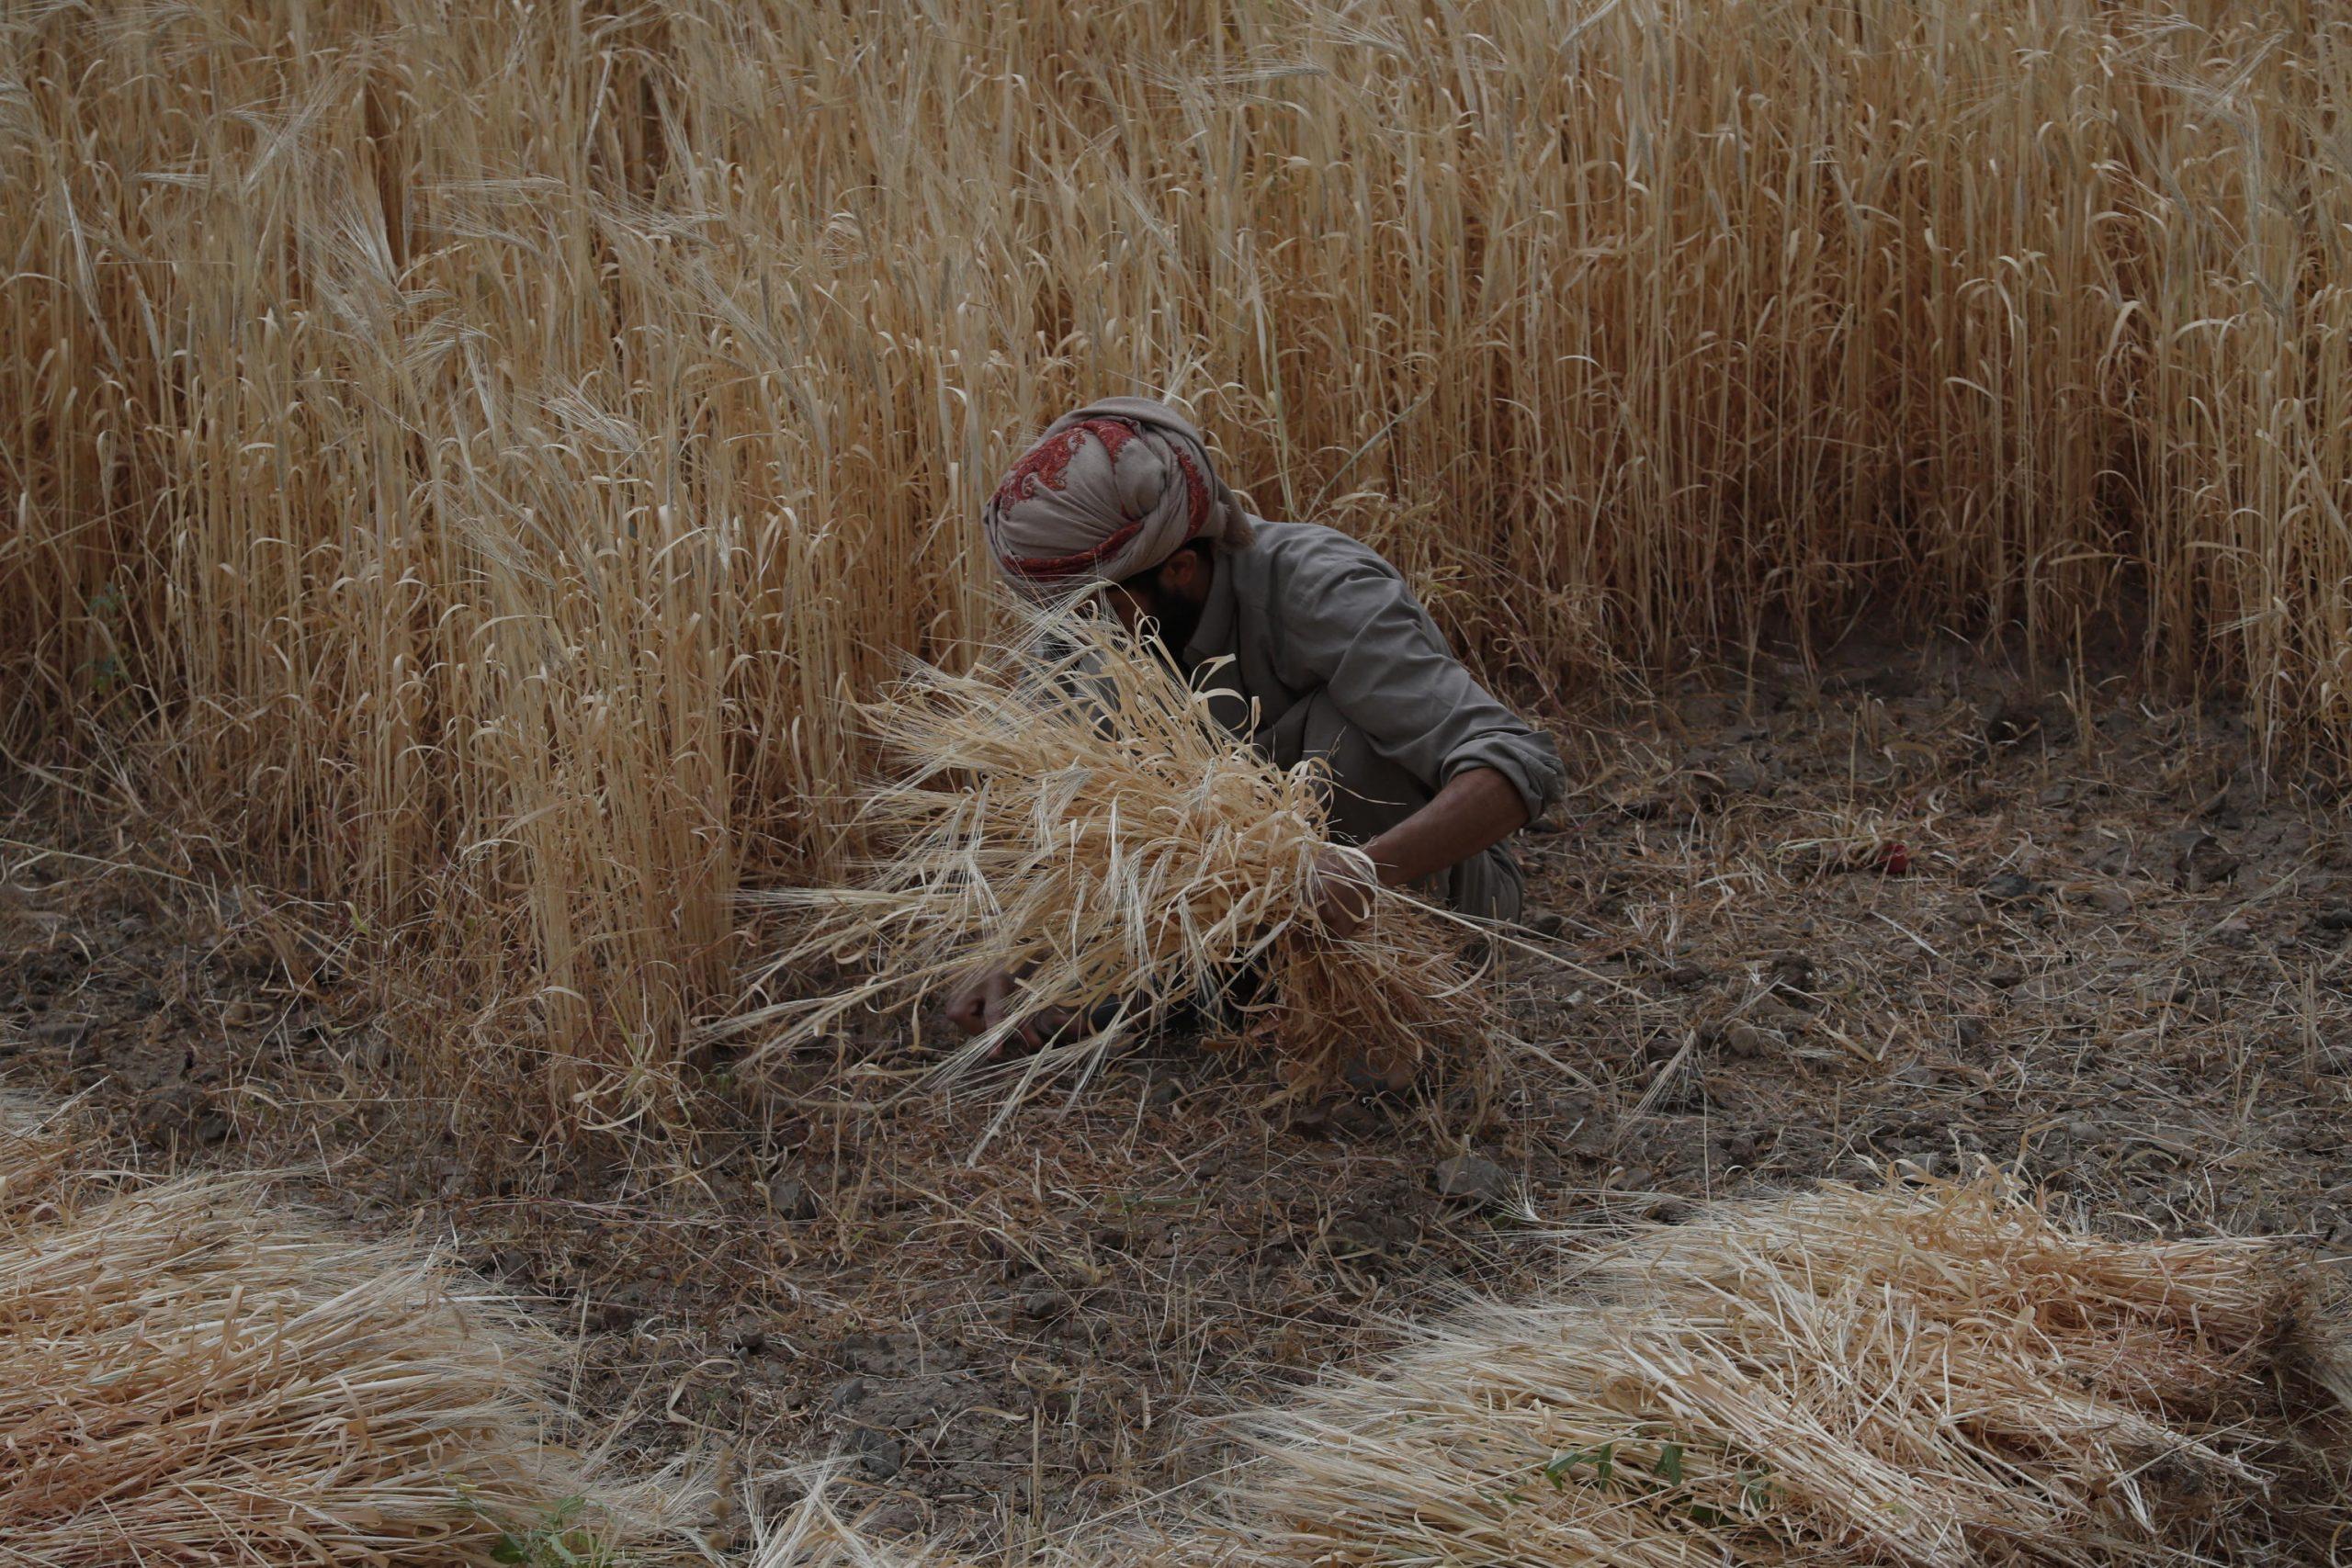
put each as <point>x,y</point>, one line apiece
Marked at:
<point>1489,885</point>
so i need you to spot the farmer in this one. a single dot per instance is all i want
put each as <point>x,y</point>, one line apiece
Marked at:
<point>1331,656</point>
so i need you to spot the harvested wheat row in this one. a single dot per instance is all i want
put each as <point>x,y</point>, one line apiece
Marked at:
<point>188,1377</point>
<point>1928,1374</point>
<point>1069,810</point>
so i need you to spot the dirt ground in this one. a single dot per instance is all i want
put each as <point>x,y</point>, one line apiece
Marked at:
<point>1899,907</point>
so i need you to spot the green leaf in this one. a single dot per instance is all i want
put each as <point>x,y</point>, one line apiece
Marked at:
<point>1669,1464</point>
<point>509,1550</point>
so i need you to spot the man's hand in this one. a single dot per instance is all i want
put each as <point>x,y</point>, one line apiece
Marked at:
<point>1343,886</point>
<point>986,998</point>
<point>1479,807</point>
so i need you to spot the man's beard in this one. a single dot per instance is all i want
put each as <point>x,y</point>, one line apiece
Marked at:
<point>1174,620</point>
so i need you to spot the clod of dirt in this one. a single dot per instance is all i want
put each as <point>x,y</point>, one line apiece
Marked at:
<point>879,1455</point>
<point>1747,1041</point>
<point>1341,1116</point>
<point>2109,898</point>
<point>1768,1011</point>
<point>907,1405</point>
<point>790,1198</point>
<point>61,1033</point>
<point>2203,862</point>
<point>2007,887</point>
<point>622,1309</point>
<point>1045,1306</point>
<point>1472,1179</point>
<point>1741,778</point>
<point>167,1119</point>
<point>2011,722</point>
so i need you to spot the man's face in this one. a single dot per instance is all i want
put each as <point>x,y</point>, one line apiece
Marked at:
<point>1131,605</point>
<point>1171,599</point>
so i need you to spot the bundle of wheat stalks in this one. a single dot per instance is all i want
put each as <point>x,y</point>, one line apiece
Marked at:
<point>1069,811</point>
<point>187,1378</point>
<point>1937,1374</point>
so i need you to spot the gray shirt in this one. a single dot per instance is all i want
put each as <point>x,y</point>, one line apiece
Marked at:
<point>1333,657</point>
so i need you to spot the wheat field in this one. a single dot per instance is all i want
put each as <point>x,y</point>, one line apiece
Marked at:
<point>464,457</point>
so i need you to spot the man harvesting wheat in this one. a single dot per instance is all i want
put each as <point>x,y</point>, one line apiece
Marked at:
<point>1327,654</point>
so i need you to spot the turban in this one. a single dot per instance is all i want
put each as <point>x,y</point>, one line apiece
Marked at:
<point>1108,492</point>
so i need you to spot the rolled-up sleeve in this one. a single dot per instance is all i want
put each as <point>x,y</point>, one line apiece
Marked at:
<point>1352,626</point>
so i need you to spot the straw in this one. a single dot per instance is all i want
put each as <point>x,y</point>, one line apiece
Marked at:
<point>188,1376</point>
<point>1929,1374</point>
<point>1069,811</point>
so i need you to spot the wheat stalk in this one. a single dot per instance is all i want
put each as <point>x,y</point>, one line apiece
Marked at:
<point>1068,809</point>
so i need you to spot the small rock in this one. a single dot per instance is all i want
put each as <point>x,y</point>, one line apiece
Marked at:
<point>845,1394</point>
<point>1472,1179</point>
<point>1744,1040</point>
<point>789,1197</point>
<point>2007,887</point>
<point>879,1455</point>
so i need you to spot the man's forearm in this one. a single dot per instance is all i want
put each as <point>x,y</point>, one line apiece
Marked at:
<point>1478,809</point>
